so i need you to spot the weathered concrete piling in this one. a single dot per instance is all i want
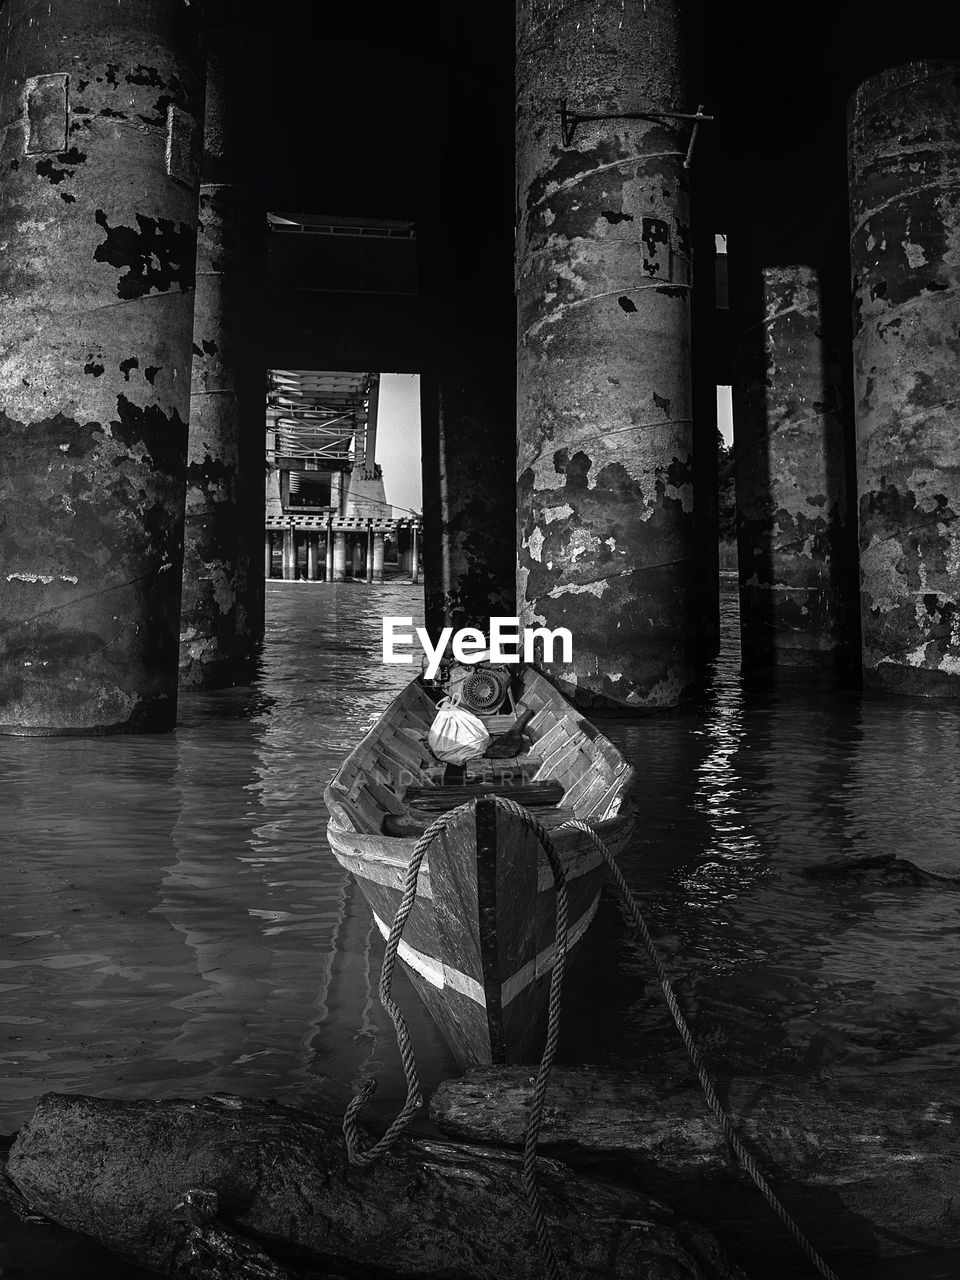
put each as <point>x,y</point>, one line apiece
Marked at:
<point>220,612</point>
<point>796,582</point>
<point>99,108</point>
<point>468,385</point>
<point>605,493</point>
<point>710,369</point>
<point>904,164</point>
<point>466,526</point>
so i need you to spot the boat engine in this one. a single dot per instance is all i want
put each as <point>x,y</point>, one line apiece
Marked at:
<point>484,690</point>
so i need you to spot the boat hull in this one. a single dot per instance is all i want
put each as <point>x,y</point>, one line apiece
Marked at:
<point>480,942</point>
<point>479,945</point>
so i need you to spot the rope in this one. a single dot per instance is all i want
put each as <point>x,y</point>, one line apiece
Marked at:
<point>716,1106</point>
<point>529,1167</point>
<point>356,1153</point>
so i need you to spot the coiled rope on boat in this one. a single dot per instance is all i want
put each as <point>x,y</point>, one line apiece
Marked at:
<point>356,1152</point>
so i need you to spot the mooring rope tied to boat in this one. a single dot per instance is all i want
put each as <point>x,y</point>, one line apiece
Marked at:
<point>356,1153</point>
<point>706,1084</point>
<point>414,1100</point>
<point>532,1134</point>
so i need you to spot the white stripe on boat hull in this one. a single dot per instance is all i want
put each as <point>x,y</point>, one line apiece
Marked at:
<point>441,975</point>
<point>437,974</point>
<point>392,875</point>
<point>534,969</point>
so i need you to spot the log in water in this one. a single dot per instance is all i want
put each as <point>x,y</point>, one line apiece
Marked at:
<point>278,1178</point>
<point>863,1176</point>
<point>878,869</point>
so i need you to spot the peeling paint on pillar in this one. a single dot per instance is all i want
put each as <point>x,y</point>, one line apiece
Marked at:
<point>605,492</point>
<point>96,293</point>
<point>795,584</point>
<point>904,163</point>
<point>219,637</point>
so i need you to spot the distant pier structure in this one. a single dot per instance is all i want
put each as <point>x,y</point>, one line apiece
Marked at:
<point>327,516</point>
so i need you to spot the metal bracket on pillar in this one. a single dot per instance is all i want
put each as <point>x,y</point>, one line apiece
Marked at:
<point>570,119</point>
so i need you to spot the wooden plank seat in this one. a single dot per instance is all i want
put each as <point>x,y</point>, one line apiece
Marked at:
<point>414,823</point>
<point>424,804</point>
<point>549,792</point>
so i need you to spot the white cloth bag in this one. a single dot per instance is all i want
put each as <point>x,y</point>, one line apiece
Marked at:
<point>457,735</point>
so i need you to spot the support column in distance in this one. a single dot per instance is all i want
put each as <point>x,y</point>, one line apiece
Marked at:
<point>797,593</point>
<point>221,613</point>
<point>339,556</point>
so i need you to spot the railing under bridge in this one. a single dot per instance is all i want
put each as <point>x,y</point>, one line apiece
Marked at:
<point>319,547</point>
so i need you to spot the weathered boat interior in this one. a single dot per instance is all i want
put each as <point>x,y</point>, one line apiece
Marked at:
<point>561,768</point>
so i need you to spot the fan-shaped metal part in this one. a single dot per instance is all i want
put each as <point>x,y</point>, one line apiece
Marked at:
<point>484,690</point>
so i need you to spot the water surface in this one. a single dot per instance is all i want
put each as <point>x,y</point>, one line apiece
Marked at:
<point>173,923</point>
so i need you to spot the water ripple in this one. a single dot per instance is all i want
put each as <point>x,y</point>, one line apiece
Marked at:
<point>173,922</point>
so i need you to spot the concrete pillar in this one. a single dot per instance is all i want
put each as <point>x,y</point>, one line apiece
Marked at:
<point>704,344</point>
<point>99,110</point>
<point>357,558</point>
<point>268,554</point>
<point>369,553</point>
<point>339,556</point>
<point>329,556</point>
<point>415,556</point>
<point>378,549</point>
<point>796,588</point>
<point>904,166</point>
<point>289,555</point>
<point>313,556</point>
<point>373,412</point>
<point>605,498</point>
<point>468,394</point>
<point>465,477</point>
<point>336,492</point>
<point>220,632</point>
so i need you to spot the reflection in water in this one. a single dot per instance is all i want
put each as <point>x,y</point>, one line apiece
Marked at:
<point>173,922</point>
<point>780,973</point>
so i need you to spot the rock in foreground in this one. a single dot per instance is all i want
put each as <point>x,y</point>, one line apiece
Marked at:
<point>867,1170</point>
<point>120,1171</point>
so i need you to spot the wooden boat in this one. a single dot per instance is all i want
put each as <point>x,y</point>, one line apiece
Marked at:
<point>479,944</point>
